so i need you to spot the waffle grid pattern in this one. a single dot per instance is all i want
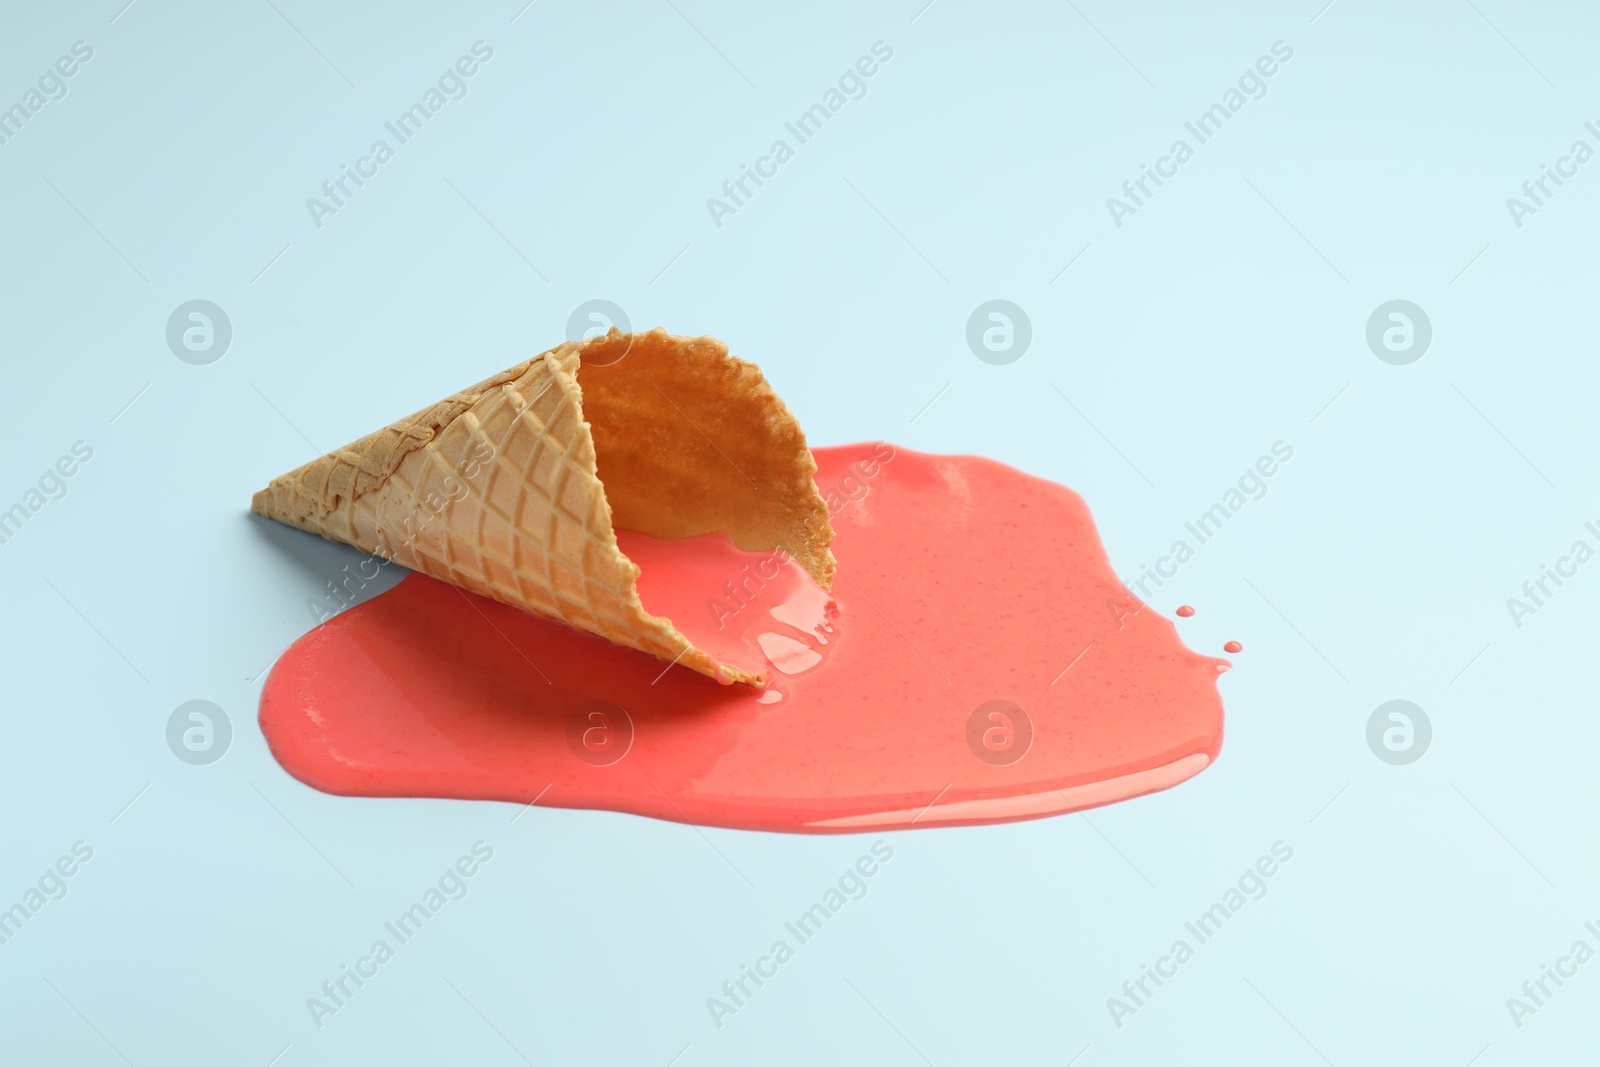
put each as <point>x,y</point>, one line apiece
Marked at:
<point>495,490</point>
<point>504,501</point>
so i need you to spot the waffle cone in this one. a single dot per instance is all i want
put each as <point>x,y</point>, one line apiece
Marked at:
<point>514,488</point>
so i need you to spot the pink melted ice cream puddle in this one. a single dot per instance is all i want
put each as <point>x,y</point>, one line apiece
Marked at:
<point>976,662</point>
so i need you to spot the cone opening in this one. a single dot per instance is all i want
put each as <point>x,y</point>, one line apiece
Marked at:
<point>689,441</point>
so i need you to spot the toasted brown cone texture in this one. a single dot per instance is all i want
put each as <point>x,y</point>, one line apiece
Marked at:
<point>514,487</point>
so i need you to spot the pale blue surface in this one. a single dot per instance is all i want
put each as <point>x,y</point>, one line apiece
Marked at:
<point>1194,337</point>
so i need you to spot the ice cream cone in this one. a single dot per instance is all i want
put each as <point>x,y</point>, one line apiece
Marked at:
<point>513,488</point>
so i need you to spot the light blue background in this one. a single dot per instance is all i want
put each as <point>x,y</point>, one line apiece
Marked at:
<point>1221,318</point>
